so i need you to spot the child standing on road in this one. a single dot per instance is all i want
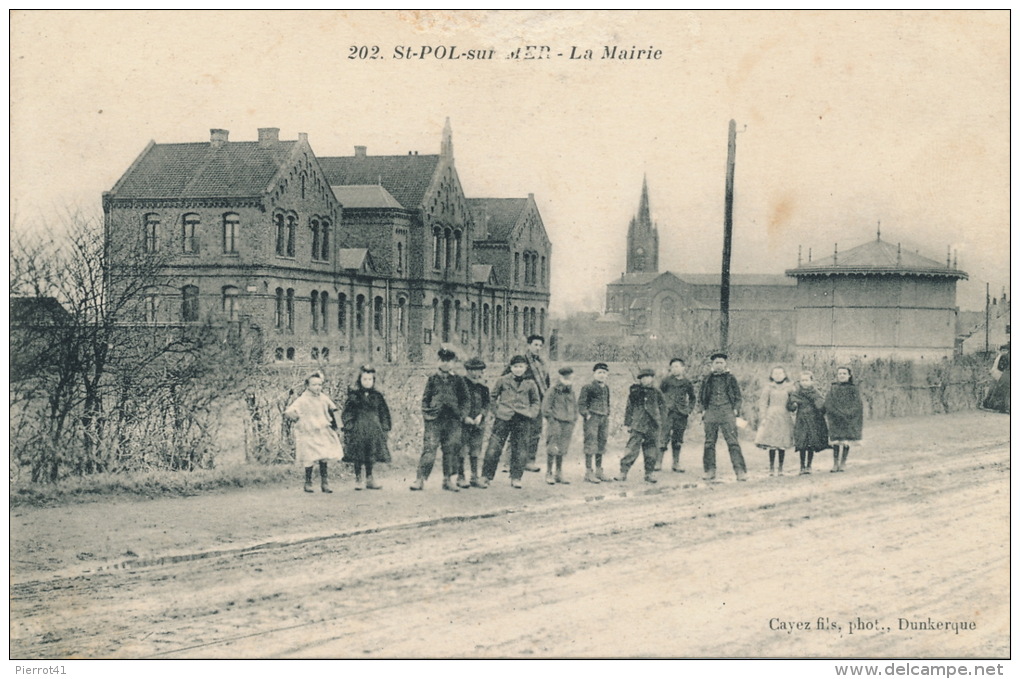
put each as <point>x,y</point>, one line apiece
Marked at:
<point>593,406</point>
<point>515,404</point>
<point>645,416</point>
<point>474,423</point>
<point>844,412</point>
<point>810,434</point>
<point>775,428</point>
<point>678,392</point>
<point>366,419</point>
<point>559,407</point>
<point>444,406</point>
<point>314,437</point>
<point>720,400</point>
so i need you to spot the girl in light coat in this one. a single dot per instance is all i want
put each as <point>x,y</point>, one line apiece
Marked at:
<point>775,428</point>
<point>315,439</point>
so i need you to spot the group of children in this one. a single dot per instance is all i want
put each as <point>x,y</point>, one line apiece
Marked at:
<point>455,410</point>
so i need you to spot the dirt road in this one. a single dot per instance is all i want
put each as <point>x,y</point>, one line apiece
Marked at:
<point>859,564</point>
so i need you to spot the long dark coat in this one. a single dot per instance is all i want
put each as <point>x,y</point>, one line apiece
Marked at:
<point>844,412</point>
<point>809,430</point>
<point>366,419</point>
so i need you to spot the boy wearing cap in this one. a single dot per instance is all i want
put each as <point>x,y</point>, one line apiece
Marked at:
<point>680,400</point>
<point>444,406</point>
<point>538,371</point>
<point>720,400</point>
<point>559,407</point>
<point>645,416</point>
<point>515,404</point>
<point>474,423</point>
<point>593,407</point>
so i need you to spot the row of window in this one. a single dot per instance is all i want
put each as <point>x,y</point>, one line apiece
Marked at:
<point>447,321</point>
<point>319,302</point>
<point>447,246</point>
<point>229,298</point>
<point>286,227</point>
<point>534,268</point>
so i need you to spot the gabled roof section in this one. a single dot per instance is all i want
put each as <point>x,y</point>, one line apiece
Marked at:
<point>365,196</point>
<point>497,217</point>
<point>405,178</point>
<point>750,279</point>
<point>356,259</point>
<point>877,257</point>
<point>37,311</point>
<point>483,273</point>
<point>637,278</point>
<point>203,170</point>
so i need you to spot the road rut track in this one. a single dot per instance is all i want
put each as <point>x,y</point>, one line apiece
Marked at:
<point>228,602</point>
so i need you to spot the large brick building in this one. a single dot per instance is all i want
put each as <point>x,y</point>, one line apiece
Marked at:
<point>330,259</point>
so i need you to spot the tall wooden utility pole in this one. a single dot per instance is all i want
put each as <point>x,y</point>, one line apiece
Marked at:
<point>724,288</point>
<point>988,315</point>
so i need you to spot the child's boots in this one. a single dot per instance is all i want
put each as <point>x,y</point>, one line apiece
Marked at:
<point>324,477</point>
<point>308,480</point>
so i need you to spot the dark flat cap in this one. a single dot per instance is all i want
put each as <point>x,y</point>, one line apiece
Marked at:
<point>600,366</point>
<point>474,364</point>
<point>566,370</point>
<point>718,354</point>
<point>446,355</point>
<point>518,359</point>
<point>646,372</point>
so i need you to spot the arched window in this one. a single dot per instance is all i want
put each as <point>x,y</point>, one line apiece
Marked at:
<point>315,310</point>
<point>499,320</point>
<point>378,316</point>
<point>437,248</point>
<point>667,314</point>
<point>324,354</point>
<point>324,310</point>
<point>543,271</point>
<point>191,224</point>
<point>359,314</point>
<point>525,329</point>
<point>485,320</point>
<point>290,353</point>
<point>448,241</point>
<point>457,240</point>
<point>341,312</point>
<point>517,327</point>
<point>278,354</point>
<point>189,303</point>
<point>314,225</point>
<point>531,321</point>
<point>435,314</point>
<point>541,321</point>
<point>291,229</point>
<point>280,309</point>
<point>324,244</point>
<point>401,315</point>
<point>474,319</point>
<point>290,310</point>
<point>517,267</point>
<point>150,305</point>
<point>151,232</point>
<point>281,234</point>
<point>400,257</point>
<point>231,229</point>
<point>315,353</point>
<point>230,302</point>
<point>456,315</point>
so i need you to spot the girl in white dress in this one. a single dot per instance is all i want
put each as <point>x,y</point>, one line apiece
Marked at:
<point>315,440</point>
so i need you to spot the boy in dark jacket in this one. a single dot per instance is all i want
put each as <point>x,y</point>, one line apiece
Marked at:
<point>720,401</point>
<point>559,407</point>
<point>474,423</point>
<point>515,403</point>
<point>645,416</point>
<point>678,392</point>
<point>444,406</point>
<point>593,407</point>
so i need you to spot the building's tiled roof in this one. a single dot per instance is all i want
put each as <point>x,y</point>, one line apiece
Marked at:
<point>406,178</point>
<point>876,257</point>
<point>736,279</point>
<point>496,217</point>
<point>361,196</point>
<point>640,278</point>
<point>237,169</point>
<point>37,311</point>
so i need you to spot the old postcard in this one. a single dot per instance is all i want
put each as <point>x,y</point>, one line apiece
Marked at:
<point>370,194</point>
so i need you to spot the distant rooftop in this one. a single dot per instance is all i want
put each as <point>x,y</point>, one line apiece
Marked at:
<point>877,257</point>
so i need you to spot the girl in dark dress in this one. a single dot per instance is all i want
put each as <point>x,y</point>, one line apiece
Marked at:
<point>844,411</point>
<point>810,434</point>
<point>366,419</point>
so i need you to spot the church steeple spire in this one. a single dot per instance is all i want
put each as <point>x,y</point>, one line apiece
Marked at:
<point>643,237</point>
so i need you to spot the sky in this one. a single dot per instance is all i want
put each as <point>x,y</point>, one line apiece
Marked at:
<point>845,119</point>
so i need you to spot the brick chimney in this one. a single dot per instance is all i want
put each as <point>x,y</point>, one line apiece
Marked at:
<point>218,138</point>
<point>268,136</point>
<point>360,151</point>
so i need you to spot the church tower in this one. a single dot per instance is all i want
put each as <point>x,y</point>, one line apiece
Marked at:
<point>642,238</point>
